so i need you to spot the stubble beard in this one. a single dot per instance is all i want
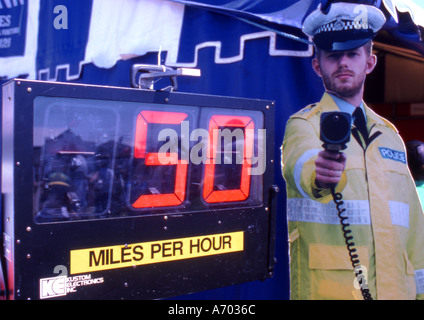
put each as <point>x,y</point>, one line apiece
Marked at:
<point>343,89</point>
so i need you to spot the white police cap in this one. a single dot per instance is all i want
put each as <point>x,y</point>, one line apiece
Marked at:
<point>345,26</point>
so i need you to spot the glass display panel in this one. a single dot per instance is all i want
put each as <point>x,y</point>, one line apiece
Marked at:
<point>96,159</point>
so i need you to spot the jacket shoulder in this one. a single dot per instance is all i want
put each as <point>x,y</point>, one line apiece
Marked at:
<point>308,111</point>
<point>382,121</point>
<point>390,125</point>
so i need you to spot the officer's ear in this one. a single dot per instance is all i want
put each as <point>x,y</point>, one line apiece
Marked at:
<point>371,63</point>
<point>316,66</point>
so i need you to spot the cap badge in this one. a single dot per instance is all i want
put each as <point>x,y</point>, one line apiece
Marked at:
<point>338,25</point>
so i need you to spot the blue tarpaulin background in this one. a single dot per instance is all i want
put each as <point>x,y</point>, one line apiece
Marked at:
<point>246,48</point>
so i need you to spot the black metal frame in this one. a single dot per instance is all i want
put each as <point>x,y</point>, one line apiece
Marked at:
<point>32,251</point>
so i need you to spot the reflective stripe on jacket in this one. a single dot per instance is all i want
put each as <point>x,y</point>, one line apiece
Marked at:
<point>382,204</point>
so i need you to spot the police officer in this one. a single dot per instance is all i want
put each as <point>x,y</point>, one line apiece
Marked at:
<point>372,174</point>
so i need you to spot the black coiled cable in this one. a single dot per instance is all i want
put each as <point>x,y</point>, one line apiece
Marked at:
<point>337,198</point>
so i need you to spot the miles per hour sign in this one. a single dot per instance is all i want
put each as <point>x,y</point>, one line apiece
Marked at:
<point>116,193</point>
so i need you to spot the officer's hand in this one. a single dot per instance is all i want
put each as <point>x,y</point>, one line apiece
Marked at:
<point>329,167</point>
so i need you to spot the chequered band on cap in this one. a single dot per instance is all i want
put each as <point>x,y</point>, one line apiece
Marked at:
<point>340,25</point>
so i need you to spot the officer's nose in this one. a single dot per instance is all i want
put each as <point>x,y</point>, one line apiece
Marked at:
<point>343,60</point>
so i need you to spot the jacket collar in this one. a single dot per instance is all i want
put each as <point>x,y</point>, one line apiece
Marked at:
<point>328,104</point>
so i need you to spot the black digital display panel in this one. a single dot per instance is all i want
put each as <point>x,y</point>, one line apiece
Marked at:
<point>100,159</point>
<point>142,194</point>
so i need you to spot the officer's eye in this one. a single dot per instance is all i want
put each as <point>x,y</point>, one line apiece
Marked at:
<point>352,54</point>
<point>334,56</point>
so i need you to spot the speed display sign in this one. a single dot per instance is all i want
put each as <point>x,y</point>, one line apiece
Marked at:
<point>127,193</point>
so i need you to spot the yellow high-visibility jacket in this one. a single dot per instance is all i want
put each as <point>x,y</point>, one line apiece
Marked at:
<point>381,202</point>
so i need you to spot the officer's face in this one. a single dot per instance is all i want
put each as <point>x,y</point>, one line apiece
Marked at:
<point>344,72</point>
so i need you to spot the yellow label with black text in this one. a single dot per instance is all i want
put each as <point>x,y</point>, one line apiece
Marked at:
<point>128,255</point>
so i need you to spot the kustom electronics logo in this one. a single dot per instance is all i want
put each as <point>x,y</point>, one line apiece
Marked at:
<point>61,285</point>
